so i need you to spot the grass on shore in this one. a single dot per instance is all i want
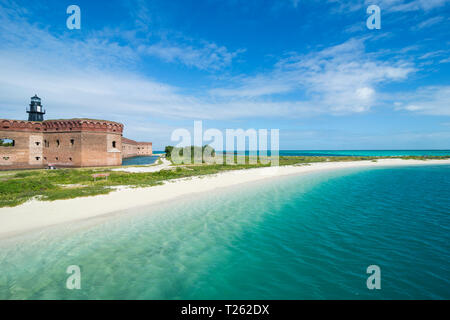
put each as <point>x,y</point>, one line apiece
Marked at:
<point>17,187</point>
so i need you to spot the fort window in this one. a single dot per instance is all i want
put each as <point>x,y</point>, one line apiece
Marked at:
<point>38,143</point>
<point>70,159</point>
<point>72,142</point>
<point>7,143</point>
<point>46,144</point>
<point>45,158</point>
<point>38,158</point>
<point>5,158</point>
<point>113,144</point>
<point>57,143</point>
<point>56,158</point>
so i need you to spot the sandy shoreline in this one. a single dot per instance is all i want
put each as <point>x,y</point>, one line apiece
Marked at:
<point>40,214</point>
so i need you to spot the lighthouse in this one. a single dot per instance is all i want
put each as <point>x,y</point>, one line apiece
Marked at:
<point>35,112</point>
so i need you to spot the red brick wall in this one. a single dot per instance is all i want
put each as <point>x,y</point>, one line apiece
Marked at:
<point>25,153</point>
<point>66,143</point>
<point>98,149</point>
<point>131,148</point>
<point>144,149</point>
<point>62,149</point>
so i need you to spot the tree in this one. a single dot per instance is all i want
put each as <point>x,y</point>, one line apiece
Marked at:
<point>168,151</point>
<point>6,143</point>
<point>195,152</point>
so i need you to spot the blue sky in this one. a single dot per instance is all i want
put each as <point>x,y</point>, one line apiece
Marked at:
<point>310,68</point>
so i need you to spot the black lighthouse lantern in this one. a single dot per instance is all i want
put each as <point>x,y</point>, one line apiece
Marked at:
<point>35,112</point>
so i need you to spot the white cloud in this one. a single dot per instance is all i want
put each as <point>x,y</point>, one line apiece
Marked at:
<point>73,92</point>
<point>207,56</point>
<point>433,54</point>
<point>389,5</point>
<point>171,46</point>
<point>415,5</point>
<point>338,79</point>
<point>365,93</point>
<point>428,23</point>
<point>430,100</point>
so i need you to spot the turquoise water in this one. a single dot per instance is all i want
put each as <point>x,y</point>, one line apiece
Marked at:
<point>365,153</point>
<point>360,153</point>
<point>139,160</point>
<point>301,237</point>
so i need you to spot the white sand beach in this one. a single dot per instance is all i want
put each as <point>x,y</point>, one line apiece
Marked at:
<point>40,214</point>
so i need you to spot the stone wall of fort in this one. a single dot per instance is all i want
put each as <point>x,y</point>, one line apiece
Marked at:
<point>131,148</point>
<point>61,143</point>
<point>26,151</point>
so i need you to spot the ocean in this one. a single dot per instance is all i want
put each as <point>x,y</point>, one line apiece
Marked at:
<point>142,160</point>
<point>365,153</point>
<point>299,237</point>
<point>145,160</point>
<point>359,153</point>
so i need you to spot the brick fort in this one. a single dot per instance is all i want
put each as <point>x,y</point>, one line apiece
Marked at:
<point>80,142</point>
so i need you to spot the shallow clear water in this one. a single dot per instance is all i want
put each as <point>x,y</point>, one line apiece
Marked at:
<point>139,160</point>
<point>302,237</point>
